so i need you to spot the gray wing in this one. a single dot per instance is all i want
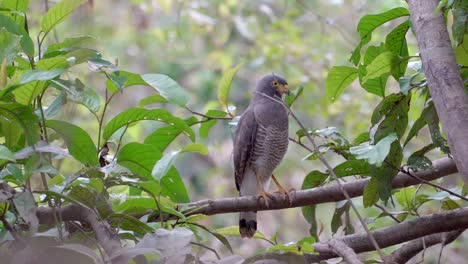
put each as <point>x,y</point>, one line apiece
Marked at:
<point>244,140</point>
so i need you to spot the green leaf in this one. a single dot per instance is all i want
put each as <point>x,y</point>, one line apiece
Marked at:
<point>314,179</point>
<point>374,154</point>
<point>382,64</point>
<point>155,98</point>
<point>58,13</point>
<point>77,92</point>
<point>417,161</point>
<point>309,213</point>
<point>292,97</point>
<point>390,116</point>
<point>224,85</point>
<point>173,187</point>
<point>9,45</point>
<point>83,195</point>
<point>40,75</point>
<point>6,154</point>
<point>167,87</point>
<point>67,43</point>
<point>24,117</point>
<point>20,6</point>
<point>25,94</point>
<point>137,114</point>
<point>162,137</point>
<point>376,85</point>
<point>337,222</point>
<point>207,125</point>
<point>339,77</point>
<point>371,193</point>
<point>195,147</point>
<point>10,132</point>
<point>387,171</point>
<point>15,28</point>
<point>369,23</point>
<point>162,166</point>
<point>352,167</point>
<point>460,21</point>
<point>396,43</point>
<point>139,158</point>
<point>405,197</point>
<point>79,143</point>
<point>461,52</point>
<point>55,106</point>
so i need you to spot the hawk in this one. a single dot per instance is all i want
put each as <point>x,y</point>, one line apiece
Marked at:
<point>260,142</point>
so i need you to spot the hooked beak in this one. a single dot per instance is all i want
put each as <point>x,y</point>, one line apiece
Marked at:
<point>284,89</point>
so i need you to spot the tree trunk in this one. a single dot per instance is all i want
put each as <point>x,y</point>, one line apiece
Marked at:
<point>444,81</point>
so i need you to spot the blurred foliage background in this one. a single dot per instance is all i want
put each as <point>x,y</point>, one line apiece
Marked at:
<point>193,42</point>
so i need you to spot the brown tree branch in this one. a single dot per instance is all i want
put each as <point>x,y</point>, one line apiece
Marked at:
<point>443,78</point>
<point>105,234</point>
<point>441,168</point>
<point>412,248</point>
<point>399,233</point>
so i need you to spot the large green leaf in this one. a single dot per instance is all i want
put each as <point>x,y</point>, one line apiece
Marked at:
<point>167,87</point>
<point>79,143</point>
<point>374,154</point>
<point>6,154</point>
<point>77,92</point>
<point>24,117</point>
<point>224,86</point>
<point>352,167</point>
<point>137,114</point>
<point>162,167</point>
<point>405,197</point>
<point>58,13</point>
<point>162,137</point>
<point>375,85</point>
<point>369,23</point>
<point>26,93</point>
<point>173,187</point>
<point>460,21</point>
<point>461,52</point>
<point>20,6</point>
<point>396,43</point>
<point>339,77</point>
<point>13,27</point>
<point>390,116</point>
<point>385,173</point>
<point>370,195</point>
<point>382,64</point>
<point>67,44</point>
<point>9,45</point>
<point>139,158</point>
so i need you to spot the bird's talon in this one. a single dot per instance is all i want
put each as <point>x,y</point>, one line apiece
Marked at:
<point>265,197</point>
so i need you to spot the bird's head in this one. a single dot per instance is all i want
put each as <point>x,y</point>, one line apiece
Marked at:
<point>273,84</point>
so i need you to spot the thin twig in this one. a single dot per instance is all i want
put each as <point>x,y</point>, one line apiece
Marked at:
<point>407,172</point>
<point>102,119</point>
<point>330,169</point>
<point>208,117</point>
<point>300,144</point>
<point>387,212</point>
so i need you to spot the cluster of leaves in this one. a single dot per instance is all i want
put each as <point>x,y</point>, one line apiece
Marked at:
<point>378,153</point>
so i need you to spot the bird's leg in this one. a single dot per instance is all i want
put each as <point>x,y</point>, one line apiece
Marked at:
<point>261,193</point>
<point>281,189</point>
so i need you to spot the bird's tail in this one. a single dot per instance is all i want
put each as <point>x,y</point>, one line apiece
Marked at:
<point>247,224</point>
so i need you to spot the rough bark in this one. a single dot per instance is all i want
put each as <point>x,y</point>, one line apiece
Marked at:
<point>399,233</point>
<point>412,248</point>
<point>443,78</point>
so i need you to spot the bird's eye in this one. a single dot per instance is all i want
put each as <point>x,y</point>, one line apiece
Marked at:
<point>275,83</point>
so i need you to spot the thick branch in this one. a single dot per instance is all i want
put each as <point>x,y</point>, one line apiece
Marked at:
<point>444,80</point>
<point>441,168</point>
<point>411,249</point>
<point>399,233</point>
<point>105,234</point>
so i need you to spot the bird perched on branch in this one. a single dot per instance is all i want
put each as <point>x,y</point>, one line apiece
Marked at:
<point>260,142</point>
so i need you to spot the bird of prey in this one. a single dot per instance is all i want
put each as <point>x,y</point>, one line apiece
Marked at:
<point>260,142</point>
